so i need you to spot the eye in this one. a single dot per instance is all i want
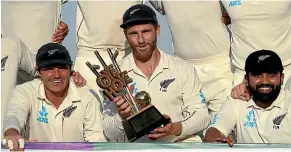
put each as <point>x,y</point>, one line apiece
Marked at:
<point>272,75</point>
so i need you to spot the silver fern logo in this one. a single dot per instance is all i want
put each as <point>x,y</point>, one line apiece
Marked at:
<point>263,57</point>
<point>277,121</point>
<point>133,11</point>
<point>3,63</point>
<point>51,52</point>
<point>165,84</point>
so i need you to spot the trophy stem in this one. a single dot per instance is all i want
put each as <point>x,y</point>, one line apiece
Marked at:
<point>118,69</point>
<point>100,58</point>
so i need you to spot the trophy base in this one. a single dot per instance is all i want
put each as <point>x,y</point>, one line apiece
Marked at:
<point>143,122</point>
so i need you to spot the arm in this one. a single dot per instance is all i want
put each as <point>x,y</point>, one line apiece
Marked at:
<point>194,103</point>
<point>223,122</point>
<point>26,61</point>
<point>17,110</point>
<point>113,128</point>
<point>93,129</point>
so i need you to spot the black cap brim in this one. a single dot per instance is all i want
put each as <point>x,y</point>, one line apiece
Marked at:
<point>136,21</point>
<point>54,62</point>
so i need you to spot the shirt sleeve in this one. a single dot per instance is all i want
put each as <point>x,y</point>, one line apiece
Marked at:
<point>93,129</point>
<point>17,109</point>
<point>225,119</point>
<point>27,59</point>
<point>194,107</point>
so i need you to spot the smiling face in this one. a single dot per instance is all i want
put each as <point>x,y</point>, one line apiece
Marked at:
<point>143,40</point>
<point>55,78</point>
<point>265,87</point>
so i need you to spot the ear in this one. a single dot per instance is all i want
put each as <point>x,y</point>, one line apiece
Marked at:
<point>246,80</point>
<point>125,33</point>
<point>158,30</point>
<point>282,78</point>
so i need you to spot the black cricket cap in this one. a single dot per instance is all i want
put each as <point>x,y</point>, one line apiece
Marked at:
<point>263,61</point>
<point>138,14</point>
<point>53,54</point>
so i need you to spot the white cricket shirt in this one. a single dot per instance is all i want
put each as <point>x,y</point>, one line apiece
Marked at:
<point>175,90</point>
<point>259,24</point>
<point>254,124</point>
<point>77,119</point>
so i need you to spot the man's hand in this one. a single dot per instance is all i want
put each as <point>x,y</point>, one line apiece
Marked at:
<point>13,140</point>
<point>169,129</point>
<point>241,92</point>
<point>124,108</point>
<point>78,79</point>
<point>229,140</point>
<point>225,19</point>
<point>61,32</point>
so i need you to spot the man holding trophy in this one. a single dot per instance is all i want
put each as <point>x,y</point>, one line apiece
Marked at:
<point>163,84</point>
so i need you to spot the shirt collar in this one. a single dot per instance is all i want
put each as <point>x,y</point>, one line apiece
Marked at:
<point>279,102</point>
<point>130,63</point>
<point>72,95</point>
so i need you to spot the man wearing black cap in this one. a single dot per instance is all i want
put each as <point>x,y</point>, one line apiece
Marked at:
<point>55,109</point>
<point>263,119</point>
<point>172,83</point>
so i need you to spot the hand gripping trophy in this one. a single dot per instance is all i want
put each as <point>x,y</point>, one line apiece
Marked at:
<point>144,116</point>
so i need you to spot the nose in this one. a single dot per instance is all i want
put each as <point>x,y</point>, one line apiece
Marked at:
<point>140,39</point>
<point>56,73</point>
<point>265,79</point>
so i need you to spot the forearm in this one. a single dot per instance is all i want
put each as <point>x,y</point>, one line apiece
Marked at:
<point>11,122</point>
<point>212,134</point>
<point>113,128</point>
<point>195,123</point>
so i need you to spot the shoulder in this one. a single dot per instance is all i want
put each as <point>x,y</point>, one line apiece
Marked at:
<point>87,94</point>
<point>30,87</point>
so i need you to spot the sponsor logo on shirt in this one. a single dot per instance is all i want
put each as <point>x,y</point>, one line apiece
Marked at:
<point>251,119</point>
<point>277,121</point>
<point>202,97</point>
<point>234,3</point>
<point>165,84</point>
<point>43,115</point>
<point>214,119</point>
<point>3,63</point>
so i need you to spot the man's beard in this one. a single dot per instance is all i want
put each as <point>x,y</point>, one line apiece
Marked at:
<point>265,97</point>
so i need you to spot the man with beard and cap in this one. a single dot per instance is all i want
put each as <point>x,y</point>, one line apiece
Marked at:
<point>173,84</point>
<point>265,116</point>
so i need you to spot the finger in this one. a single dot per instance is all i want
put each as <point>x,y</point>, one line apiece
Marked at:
<point>120,102</point>
<point>16,145</point>
<point>59,33</point>
<point>62,25</point>
<point>157,135</point>
<point>123,106</point>
<point>234,93</point>
<point>116,99</point>
<point>164,129</point>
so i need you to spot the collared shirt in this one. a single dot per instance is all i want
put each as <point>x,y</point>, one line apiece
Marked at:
<point>33,22</point>
<point>259,24</point>
<point>175,90</point>
<point>77,119</point>
<point>254,124</point>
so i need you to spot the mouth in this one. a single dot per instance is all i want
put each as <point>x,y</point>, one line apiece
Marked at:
<point>142,47</point>
<point>57,82</point>
<point>265,89</point>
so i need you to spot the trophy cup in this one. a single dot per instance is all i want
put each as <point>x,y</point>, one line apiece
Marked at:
<point>144,116</point>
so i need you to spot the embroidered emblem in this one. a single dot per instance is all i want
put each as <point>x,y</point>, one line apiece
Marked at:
<point>43,115</point>
<point>165,84</point>
<point>3,63</point>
